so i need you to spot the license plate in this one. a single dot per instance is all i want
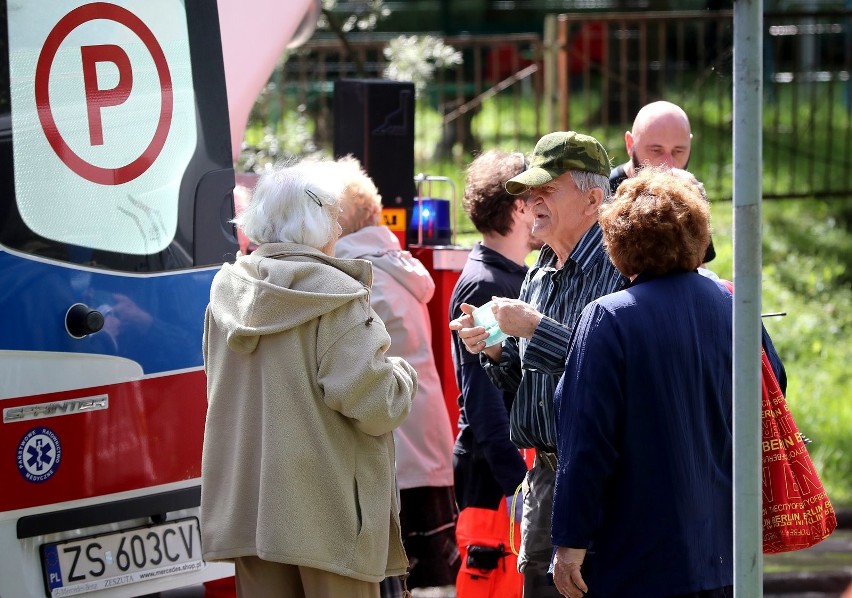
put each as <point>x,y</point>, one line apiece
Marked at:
<point>115,559</point>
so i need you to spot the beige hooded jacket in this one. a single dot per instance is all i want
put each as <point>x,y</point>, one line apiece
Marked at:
<point>298,461</point>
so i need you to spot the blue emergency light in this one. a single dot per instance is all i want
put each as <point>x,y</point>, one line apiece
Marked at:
<point>433,214</point>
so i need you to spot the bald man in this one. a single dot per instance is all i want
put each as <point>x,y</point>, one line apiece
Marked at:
<point>661,136</point>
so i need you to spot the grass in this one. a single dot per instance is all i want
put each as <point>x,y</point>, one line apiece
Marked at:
<point>807,272</point>
<point>806,134</point>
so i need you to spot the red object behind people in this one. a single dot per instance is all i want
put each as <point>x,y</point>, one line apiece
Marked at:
<point>221,588</point>
<point>796,510</point>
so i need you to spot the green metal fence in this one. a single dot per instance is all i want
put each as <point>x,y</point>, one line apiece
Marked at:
<point>592,72</point>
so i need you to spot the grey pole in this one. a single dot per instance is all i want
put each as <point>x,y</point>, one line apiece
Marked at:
<point>748,118</point>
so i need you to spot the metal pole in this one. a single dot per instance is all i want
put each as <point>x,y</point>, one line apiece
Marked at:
<point>748,118</point>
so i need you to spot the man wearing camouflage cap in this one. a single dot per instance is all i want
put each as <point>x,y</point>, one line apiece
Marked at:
<point>567,181</point>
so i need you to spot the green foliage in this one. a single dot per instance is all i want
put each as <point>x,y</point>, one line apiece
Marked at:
<point>362,16</point>
<point>807,273</point>
<point>266,145</point>
<point>415,58</point>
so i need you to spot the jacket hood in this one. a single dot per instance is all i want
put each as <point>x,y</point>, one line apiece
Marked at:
<point>281,286</point>
<point>381,247</point>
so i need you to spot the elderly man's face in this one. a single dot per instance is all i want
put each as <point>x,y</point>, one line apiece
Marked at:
<point>664,141</point>
<point>559,210</point>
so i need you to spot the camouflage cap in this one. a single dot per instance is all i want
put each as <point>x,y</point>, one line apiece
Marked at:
<point>556,154</point>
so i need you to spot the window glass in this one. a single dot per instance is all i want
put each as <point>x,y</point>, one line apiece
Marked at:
<point>103,121</point>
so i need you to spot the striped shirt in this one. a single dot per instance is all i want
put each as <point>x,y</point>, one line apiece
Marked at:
<point>532,367</point>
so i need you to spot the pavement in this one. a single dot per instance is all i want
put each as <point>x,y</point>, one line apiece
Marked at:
<point>821,571</point>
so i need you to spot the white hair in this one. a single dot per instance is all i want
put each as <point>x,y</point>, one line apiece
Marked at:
<point>586,181</point>
<point>294,203</point>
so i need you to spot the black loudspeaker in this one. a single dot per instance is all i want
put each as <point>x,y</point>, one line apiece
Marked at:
<point>374,121</point>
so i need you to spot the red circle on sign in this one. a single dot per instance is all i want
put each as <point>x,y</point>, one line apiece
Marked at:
<point>75,18</point>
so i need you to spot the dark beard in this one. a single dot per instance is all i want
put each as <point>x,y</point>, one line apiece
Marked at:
<point>637,165</point>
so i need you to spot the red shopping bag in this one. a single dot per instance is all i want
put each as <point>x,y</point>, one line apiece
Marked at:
<point>796,510</point>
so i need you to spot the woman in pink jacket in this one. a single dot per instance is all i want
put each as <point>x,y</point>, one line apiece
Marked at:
<point>402,287</point>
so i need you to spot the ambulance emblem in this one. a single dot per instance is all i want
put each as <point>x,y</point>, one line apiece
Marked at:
<point>39,454</point>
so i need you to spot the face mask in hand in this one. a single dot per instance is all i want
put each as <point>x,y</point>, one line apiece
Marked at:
<point>483,316</point>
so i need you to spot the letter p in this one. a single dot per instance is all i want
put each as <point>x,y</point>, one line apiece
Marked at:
<point>97,98</point>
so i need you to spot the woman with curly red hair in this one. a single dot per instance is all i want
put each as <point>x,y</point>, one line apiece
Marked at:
<point>643,500</point>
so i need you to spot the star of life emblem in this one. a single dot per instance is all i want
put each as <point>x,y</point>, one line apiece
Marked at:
<point>39,454</point>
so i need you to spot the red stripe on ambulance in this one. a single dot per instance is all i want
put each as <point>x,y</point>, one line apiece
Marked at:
<point>151,434</point>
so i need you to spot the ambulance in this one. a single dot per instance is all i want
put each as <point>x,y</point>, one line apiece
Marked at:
<point>116,178</point>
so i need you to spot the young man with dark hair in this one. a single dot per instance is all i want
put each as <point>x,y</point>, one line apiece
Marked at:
<point>488,467</point>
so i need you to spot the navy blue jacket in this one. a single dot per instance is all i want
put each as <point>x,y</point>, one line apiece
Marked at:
<point>644,425</point>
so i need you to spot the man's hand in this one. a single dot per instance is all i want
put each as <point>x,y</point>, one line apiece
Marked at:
<point>566,572</point>
<point>515,317</point>
<point>474,336</point>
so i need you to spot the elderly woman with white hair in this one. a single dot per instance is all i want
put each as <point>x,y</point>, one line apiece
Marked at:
<point>298,482</point>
